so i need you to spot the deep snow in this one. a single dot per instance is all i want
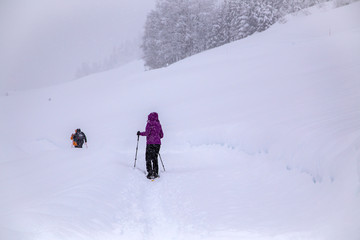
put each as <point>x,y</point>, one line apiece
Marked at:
<point>261,142</point>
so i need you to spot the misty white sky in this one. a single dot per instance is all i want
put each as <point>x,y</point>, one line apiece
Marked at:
<point>44,42</point>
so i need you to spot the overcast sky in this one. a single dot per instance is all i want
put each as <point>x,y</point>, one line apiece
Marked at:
<point>44,42</point>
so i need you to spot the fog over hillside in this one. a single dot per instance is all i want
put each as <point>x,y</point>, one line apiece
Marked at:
<point>45,42</point>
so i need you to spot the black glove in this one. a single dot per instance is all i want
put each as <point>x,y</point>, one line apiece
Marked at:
<point>138,133</point>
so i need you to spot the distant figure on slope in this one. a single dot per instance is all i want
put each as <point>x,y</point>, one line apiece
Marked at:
<point>153,133</point>
<point>78,138</point>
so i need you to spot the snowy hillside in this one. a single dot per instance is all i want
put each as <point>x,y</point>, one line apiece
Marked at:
<point>262,141</point>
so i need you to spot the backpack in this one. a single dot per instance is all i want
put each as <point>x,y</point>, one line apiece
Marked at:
<point>80,136</point>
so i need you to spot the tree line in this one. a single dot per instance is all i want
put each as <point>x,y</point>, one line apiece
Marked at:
<point>177,29</point>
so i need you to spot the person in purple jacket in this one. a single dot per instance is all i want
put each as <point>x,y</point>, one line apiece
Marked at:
<point>153,133</point>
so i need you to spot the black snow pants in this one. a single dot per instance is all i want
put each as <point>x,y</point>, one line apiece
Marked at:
<point>79,143</point>
<point>152,152</point>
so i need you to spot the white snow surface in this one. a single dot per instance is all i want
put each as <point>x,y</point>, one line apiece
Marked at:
<point>262,141</point>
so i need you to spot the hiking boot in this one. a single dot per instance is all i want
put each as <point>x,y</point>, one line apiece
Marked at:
<point>149,176</point>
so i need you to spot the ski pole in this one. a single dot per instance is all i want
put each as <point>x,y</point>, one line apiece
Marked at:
<point>162,162</point>
<point>137,145</point>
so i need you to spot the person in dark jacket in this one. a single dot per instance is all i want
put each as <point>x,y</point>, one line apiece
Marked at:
<point>78,138</point>
<point>153,133</point>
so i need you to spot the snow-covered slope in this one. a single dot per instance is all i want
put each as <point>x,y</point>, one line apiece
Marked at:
<point>261,142</point>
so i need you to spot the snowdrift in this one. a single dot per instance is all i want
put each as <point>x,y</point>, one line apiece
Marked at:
<point>261,142</point>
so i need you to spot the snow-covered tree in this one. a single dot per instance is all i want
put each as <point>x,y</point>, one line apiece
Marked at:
<point>240,13</point>
<point>152,41</point>
<point>263,14</point>
<point>201,16</point>
<point>174,30</point>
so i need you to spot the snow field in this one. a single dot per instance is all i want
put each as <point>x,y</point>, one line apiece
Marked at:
<point>261,142</point>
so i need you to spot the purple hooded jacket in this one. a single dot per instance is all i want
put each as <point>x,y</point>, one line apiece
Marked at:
<point>153,130</point>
